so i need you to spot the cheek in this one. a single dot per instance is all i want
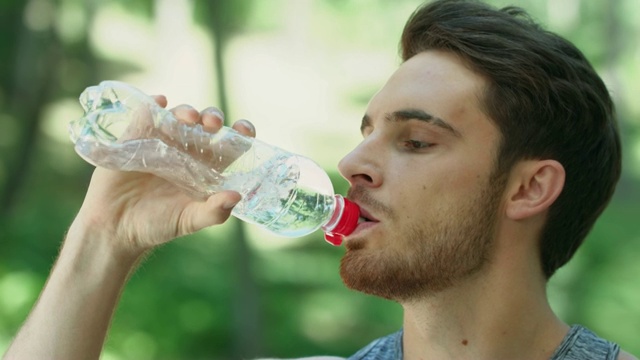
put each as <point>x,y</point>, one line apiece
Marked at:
<point>417,189</point>
<point>456,174</point>
<point>415,202</point>
<point>441,193</point>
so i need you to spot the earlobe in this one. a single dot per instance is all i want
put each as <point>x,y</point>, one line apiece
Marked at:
<point>536,185</point>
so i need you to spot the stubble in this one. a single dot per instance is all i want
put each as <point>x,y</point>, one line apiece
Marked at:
<point>435,254</point>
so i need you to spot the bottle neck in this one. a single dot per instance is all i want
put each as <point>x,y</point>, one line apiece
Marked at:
<point>342,222</point>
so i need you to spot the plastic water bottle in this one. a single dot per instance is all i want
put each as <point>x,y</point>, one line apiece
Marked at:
<point>288,194</point>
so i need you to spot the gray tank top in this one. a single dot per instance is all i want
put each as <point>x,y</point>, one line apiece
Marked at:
<point>578,344</point>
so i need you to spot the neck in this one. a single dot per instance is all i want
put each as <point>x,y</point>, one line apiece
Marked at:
<point>488,316</point>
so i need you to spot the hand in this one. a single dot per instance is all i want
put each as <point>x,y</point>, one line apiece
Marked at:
<point>138,211</point>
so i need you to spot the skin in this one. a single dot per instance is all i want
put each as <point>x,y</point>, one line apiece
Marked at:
<point>123,217</point>
<point>495,310</point>
<point>420,180</point>
<point>423,171</point>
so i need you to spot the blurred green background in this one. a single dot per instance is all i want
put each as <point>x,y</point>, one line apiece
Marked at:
<point>302,71</point>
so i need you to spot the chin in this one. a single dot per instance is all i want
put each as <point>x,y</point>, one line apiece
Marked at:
<point>368,271</point>
<point>356,243</point>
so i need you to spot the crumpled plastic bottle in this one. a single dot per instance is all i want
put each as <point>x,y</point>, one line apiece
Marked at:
<point>288,194</point>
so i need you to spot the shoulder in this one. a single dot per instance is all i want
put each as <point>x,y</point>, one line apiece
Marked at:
<point>388,347</point>
<point>581,343</point>
<point>623,355</point>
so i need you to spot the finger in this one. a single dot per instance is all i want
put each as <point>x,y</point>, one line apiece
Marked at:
<point>160,100</point>
<point>186,113</point>
<point>214,211</point>
<point>139,127</point>
<point>245,127</point>
<point>212,119</point>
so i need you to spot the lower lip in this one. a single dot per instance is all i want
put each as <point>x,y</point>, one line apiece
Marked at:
<point>364,226</point>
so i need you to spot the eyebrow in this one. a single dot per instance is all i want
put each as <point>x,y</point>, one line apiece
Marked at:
<point>413,114</point>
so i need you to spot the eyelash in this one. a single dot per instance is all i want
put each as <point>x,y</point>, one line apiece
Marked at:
<point>416,145</point>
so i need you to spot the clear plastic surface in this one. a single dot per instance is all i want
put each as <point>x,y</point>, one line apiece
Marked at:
<point>124,129</point>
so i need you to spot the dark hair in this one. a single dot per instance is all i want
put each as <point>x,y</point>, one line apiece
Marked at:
<point>545,98</point>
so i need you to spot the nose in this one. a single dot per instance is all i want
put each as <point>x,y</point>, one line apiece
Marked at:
<point>362,166</point>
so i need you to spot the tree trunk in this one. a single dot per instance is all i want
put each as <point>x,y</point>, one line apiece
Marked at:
<point>247,329</point>
<point>37,53</point>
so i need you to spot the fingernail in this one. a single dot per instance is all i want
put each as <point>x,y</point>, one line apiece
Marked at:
<point>230,204</point>
<point>247,124</point>
<point>216,112</point>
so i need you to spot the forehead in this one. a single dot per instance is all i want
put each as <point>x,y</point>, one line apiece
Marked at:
<point>437,82</point>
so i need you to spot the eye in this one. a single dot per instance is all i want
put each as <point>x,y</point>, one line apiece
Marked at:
<point>413,145</point>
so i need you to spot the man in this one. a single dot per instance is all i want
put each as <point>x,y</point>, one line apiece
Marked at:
<point>485,160</point>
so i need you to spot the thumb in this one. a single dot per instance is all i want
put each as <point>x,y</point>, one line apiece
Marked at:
<point>215,210</point>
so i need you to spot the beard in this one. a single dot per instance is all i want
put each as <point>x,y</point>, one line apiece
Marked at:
<point>437,253</point>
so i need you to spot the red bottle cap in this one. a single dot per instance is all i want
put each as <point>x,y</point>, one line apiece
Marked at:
<point>346,223</point>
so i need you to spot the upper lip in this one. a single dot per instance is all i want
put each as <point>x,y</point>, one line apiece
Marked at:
<point>366,215</point>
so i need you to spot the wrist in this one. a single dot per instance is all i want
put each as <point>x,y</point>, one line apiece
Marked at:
<point>94,247</point>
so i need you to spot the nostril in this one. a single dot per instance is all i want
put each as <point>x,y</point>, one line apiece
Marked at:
<point>362,178</point>
<point>367,178</point>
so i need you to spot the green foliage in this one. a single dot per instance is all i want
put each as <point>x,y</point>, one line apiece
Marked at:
<point>185,300</point>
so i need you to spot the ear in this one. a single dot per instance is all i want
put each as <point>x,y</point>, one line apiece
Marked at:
<point>533,187</point>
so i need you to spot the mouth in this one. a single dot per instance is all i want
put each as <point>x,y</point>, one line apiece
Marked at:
<point>365,220</point>
<point>365,216</point>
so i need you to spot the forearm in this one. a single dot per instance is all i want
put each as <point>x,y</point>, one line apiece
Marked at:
<point>72,315</point>
<point>128,213</point>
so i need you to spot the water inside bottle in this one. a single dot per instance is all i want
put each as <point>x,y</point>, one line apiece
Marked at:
<point>275,197</point>
<point>124,129</point>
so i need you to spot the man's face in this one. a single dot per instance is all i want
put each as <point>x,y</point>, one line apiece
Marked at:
<point>423,175</point>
